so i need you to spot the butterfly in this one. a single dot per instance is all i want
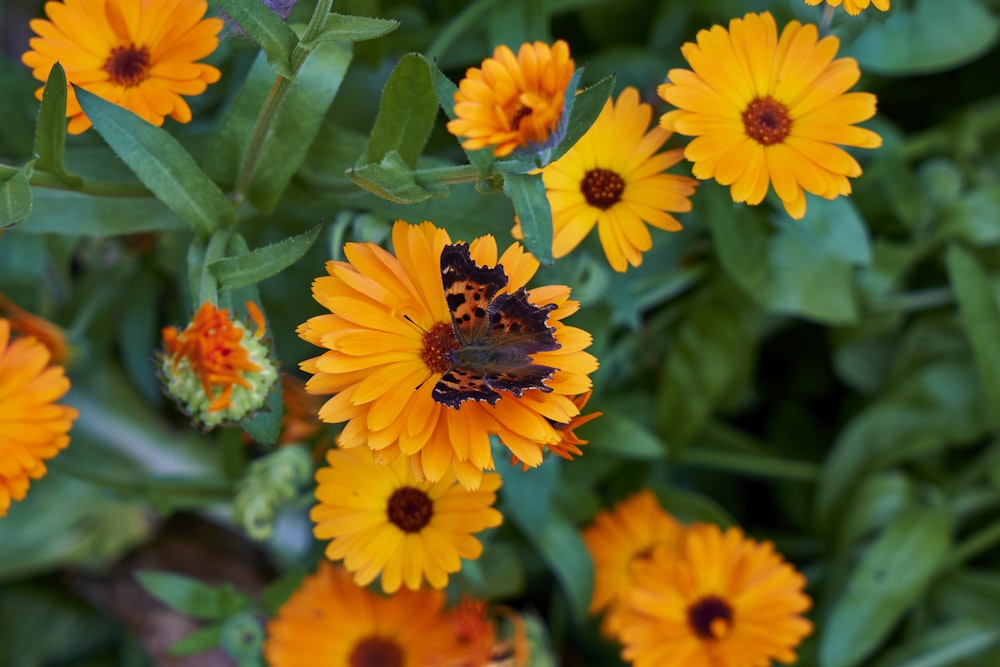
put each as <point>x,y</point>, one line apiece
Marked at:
<point>496,333</point>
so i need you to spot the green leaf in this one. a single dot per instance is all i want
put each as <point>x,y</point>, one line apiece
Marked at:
<point>482,159</point>
<point>202,639</point>
<point>891,576</point>
<point>527,192</point>
<point>392,179</point>
<point>343,28</point>
<point>406,113</point>
<point>932,37</point>
<point>981,317</point>
<point>944,645</point>
<point>262,263</point>
<point>193,597</point>
<point>558,541</point>
<point>98,216</point>
<point>161,164</point>
<point>268,30</point>
<point>583,108</point>
<point>878,500</point>
<point>50,132</point>
<point>15,195</point>
<point>265,425</point>
<point>617,435</point>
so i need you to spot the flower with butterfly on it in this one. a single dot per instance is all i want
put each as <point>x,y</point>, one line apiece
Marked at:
<point>432,350</point>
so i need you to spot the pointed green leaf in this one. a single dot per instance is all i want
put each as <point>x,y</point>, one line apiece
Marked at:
<point>265,425</point>
<point>268,30</point>
<point>262,263</point>
<point>50,132</point>
<point>406,113</point>
<point>482,159</point>
<point>161,164</point>
<point>527,192</point>
<point>981,318</point>
<point>191,596</point>
<point>343,28</point>
<point>15,195</point>
<point>392,179</point>
<point>583,109</point>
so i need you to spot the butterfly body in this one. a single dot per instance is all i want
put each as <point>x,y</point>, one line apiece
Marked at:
<point>495,334</point>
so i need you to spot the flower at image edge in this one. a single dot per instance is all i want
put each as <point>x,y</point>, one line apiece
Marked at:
<point>769,111</point>
<point>385,339</point>
<point>720,600</point>
<point>33,428</point>
<point>382,521</point>
<point>138,55</point>
<point>514,102</point>
<point>613,178</point>
<point>853,7</point>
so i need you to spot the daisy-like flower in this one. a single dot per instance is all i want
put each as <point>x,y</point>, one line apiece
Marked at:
<point>770,111</point>
<point>514,102</point>
<point>33,427</point>
<point>722,600</point>
<point>613,178</point>
<point>138,55</point>
<point>216,368</point>
<point>381,521</point>
<point>389,337</point>
<point>853,7</point>
<point>331,621</point>
<point>618,540</point>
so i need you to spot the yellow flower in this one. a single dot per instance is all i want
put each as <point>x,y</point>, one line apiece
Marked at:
<point>332,622</point>
<point>853,7</point>
<point>619,539</point>
<point>766,111</point>
<point>33,428</point>
<point>138,55</point>
<point>382,521</point>
<point>613,177</point>
<point>722,600</point>
<point>390,342</point>
<point>514,102</point>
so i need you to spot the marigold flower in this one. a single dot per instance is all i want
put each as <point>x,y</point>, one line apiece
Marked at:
<point>138,55</point>
<point>390,340</point>
<point>44,331</point>
<point>765,110</point>
<point>382,521</point>
<point>514,102</point>
<point>721,600</point>
<point>216,368</point>
<point>33,427</point>
<point>330,620</point>
<point>613,178</point>
<point>617,540</point>
<point>853,7</point>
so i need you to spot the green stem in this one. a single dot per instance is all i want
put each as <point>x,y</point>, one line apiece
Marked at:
<point>754,465</point>
<point>45,179</point>
<point>824,24</point>
<point>208,290</point>
<point>464,20</point>
<point>275,99</point>
<point>908,302</point>
<point>981,542</point>
<point>450,175</point>
<point>216,489</point>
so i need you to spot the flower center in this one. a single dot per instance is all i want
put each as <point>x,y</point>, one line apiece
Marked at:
<point>439,343</point>
<point>519,115</point>
<point>376,652</point>
<point>602,188</point>
<point>766,121</point>
<point>410,509</point>
<point>128,66</point>
<point>710,617</point>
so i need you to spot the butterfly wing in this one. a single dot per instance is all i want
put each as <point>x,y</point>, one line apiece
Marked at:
<point>469,289</point>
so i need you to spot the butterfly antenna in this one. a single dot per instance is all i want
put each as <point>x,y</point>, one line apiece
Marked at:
<point>410,320</point>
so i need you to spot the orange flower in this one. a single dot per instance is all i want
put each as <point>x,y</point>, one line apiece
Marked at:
<point>514,102</point>
<point>569,444</point>
<point>853,7</point>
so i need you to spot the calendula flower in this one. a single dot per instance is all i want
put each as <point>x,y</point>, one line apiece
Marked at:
<point>767,111</point>
<point>721,600</point>
<point>514,102</point>
<point>853,7</point>
<point>381,521</point>
<point>617,540</point>
<point>331,622</point>
<point>216,368</point>
<point>138,55</point>
<point>569,443</point>
<point>33,427</point>
<point>404,381</point>
<point>613,178</point>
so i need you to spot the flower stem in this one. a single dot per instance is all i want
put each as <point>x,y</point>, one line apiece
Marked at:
<point>752,465</point>
<point>209,488</point>
<point>824,24</point>
<point>908,302</point>
<point>45,179</point>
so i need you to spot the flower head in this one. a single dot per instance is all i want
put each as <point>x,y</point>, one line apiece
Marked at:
<point>330,620</point>
<point>618,540</point>
<point>766,111</point>
<point>613,178</point>
<point>853,7</point>
<point>390,339</point>
<point>33,427</point>
<point>216,368</point>
<point>382,521</point>
<point>138,55</point>
<point>721,600</point>
<point>514,102</point>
